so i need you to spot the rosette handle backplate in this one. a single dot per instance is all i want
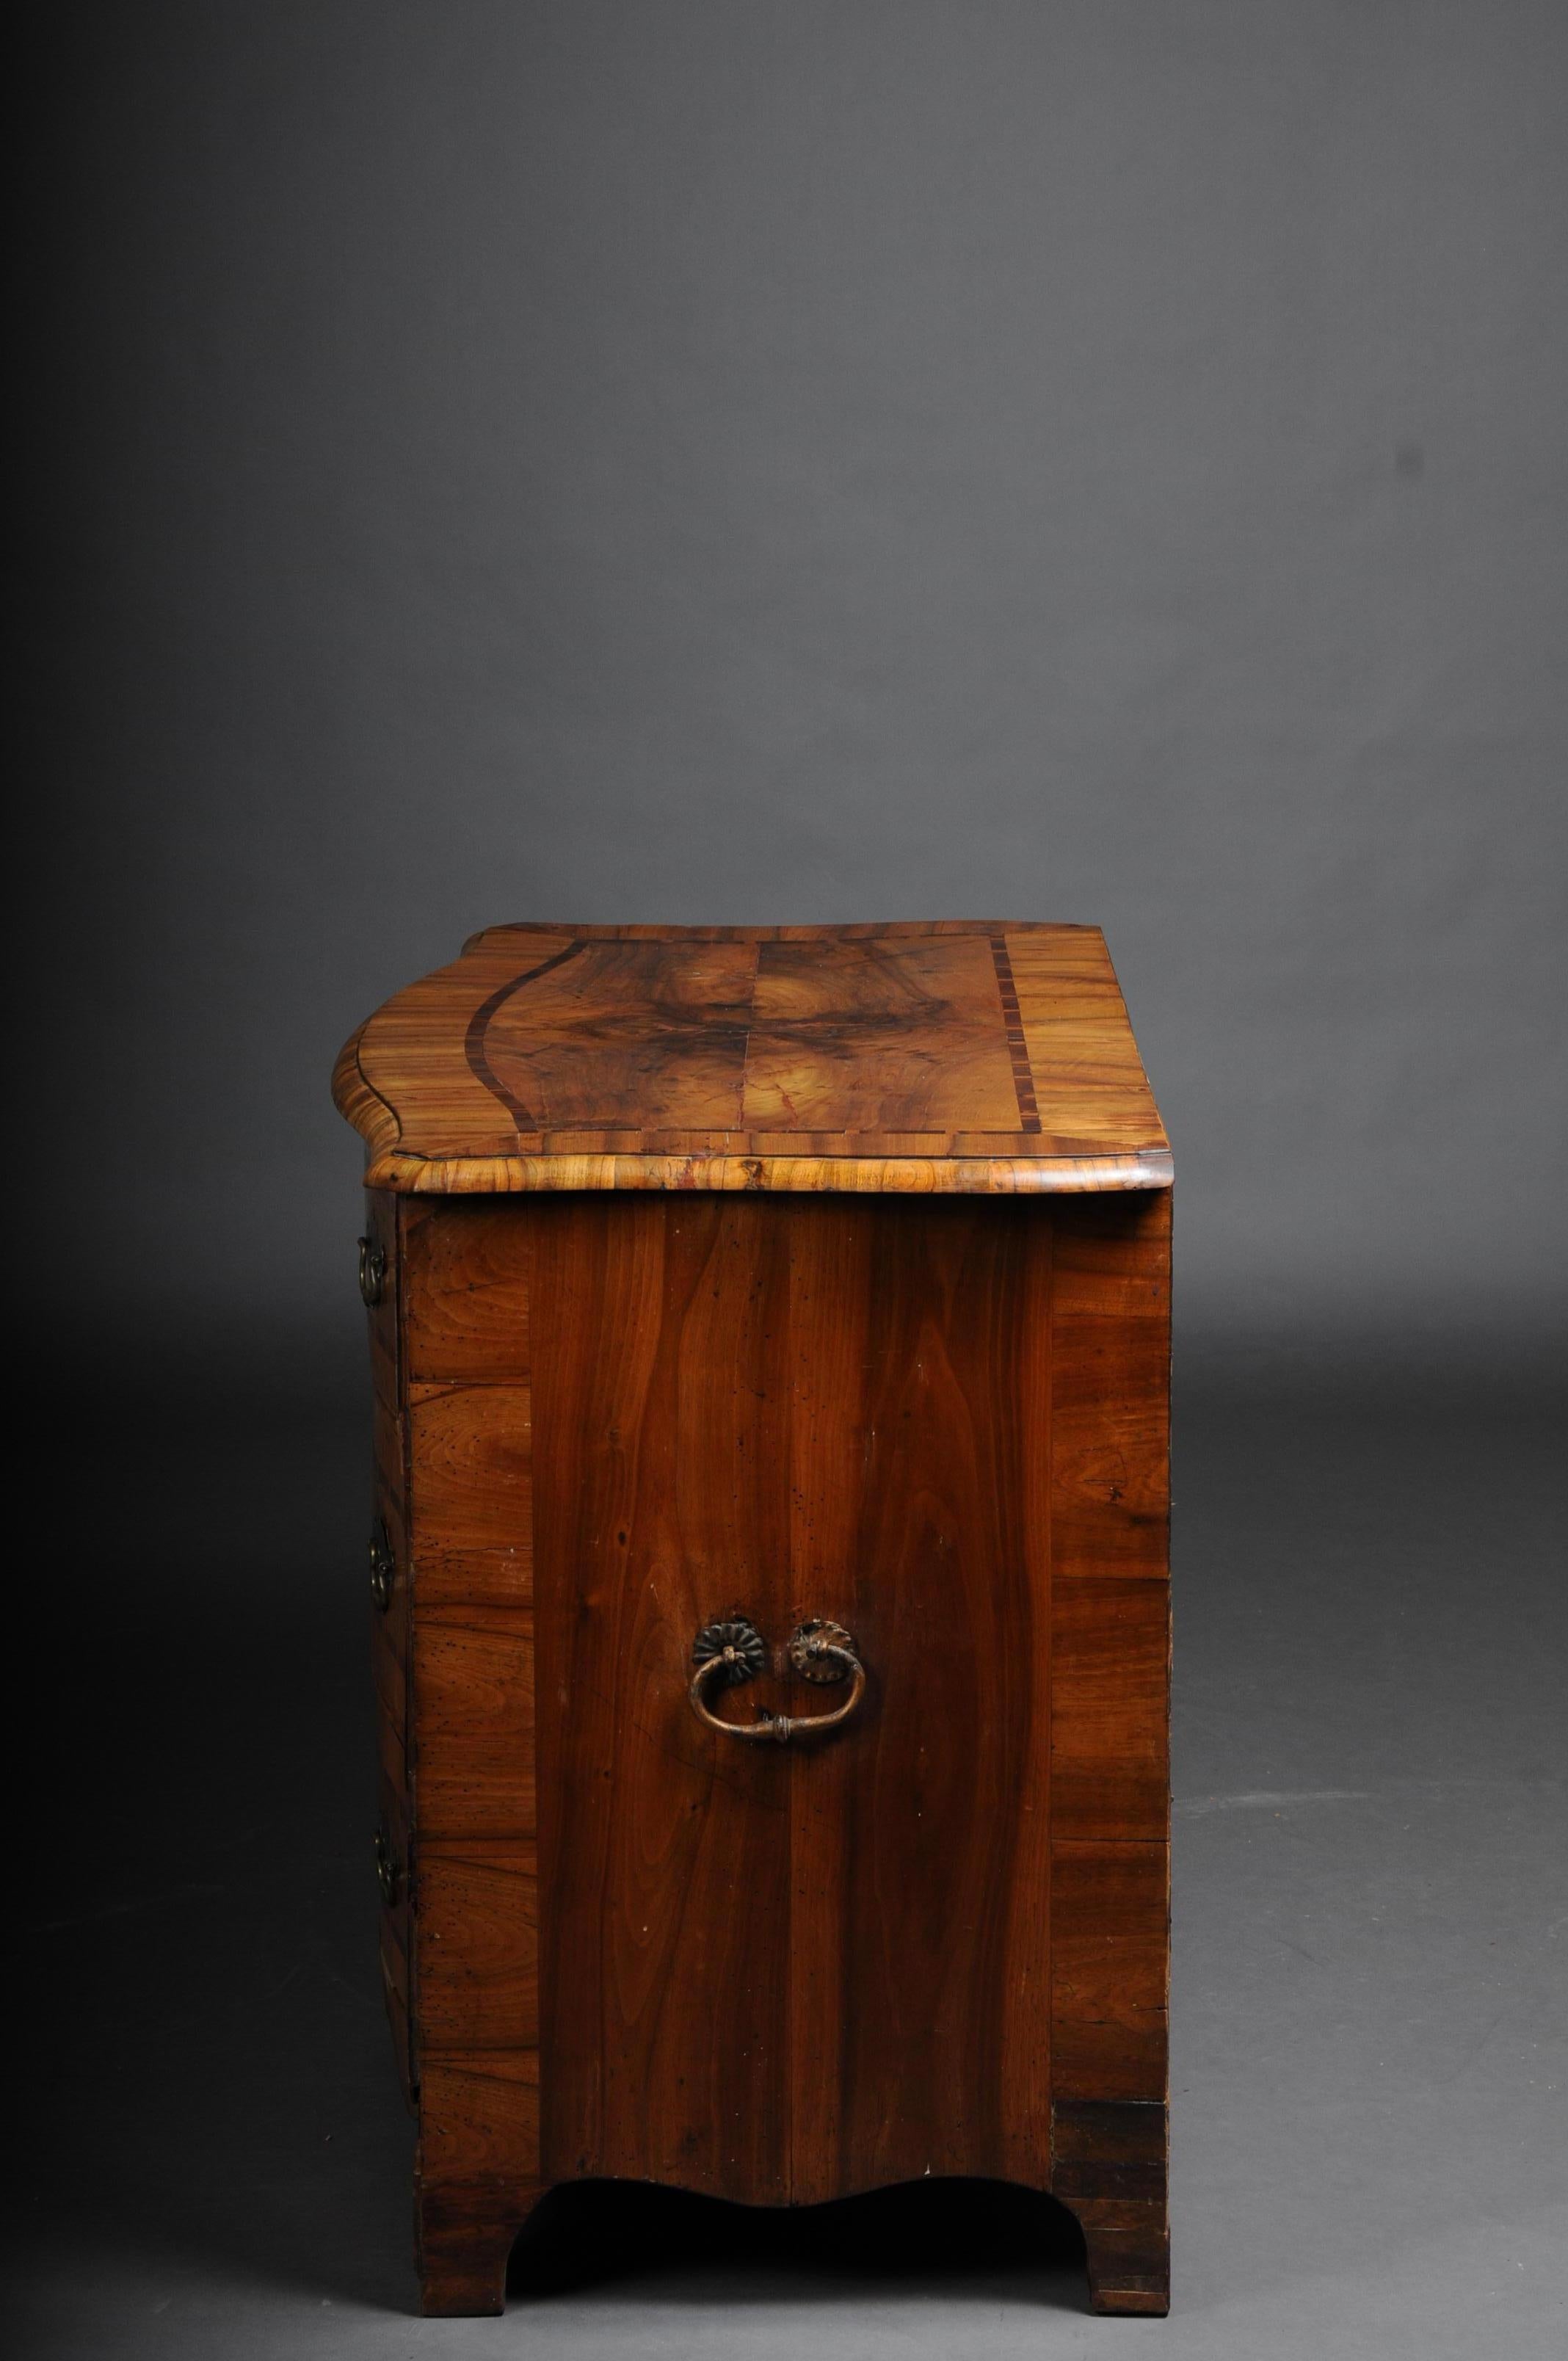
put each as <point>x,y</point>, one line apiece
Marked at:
<point>733,1652</point>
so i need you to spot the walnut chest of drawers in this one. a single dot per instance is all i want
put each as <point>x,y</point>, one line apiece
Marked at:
<point>770,1329</point>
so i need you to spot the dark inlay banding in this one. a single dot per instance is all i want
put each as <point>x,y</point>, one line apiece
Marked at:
<point>479,1024</point>
<point>1017,1049</point>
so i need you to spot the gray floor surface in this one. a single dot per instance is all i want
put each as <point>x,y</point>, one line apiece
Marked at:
<point>1370,2125</point>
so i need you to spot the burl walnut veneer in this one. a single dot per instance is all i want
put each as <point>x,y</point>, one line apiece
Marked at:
<point>769,1334</point>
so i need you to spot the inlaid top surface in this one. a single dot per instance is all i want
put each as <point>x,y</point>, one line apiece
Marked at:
<point>954,1056</point>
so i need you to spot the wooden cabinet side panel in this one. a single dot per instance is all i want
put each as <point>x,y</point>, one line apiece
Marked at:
<point>466,1286</point>
<point>1110,1918</point>
<point>1110,1686</point>
<point>1111,1387</point>
<point>466,1291</point>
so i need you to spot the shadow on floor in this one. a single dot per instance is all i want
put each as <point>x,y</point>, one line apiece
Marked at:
<point>926,2237</point>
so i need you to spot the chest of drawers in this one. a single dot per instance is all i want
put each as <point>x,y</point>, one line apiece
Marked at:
<point>770,1333</point>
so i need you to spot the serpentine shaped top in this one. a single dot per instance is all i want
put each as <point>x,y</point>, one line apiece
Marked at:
<point>958,1056</point>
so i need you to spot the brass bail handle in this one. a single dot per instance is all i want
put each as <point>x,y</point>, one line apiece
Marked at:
<point>383,1567</point>
<point>372,1272</point>
<point>388,1869</point>
<point>726,1654</point>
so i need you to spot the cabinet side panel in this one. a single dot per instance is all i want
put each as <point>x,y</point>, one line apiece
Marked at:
<point>918,1948</point>
<point>1109,1969</point>
<point>1109,1690</point>
<point>659,1391</point>
<point>479,2119</point>
<point>478,1946</point>
<point>1111,1387</point>
<point>474,1721</point>
<point>466,1291</point>
<point>466,1287</point>
<point>1110,1917</point>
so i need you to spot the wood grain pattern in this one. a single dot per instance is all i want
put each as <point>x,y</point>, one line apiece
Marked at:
<point>1108,2149</point>
<point>1110,1684</point>
<point>1110,1707</point>
<point>908,1059</point>
<point>673,1058</point>
<point>478,1945</point>
<point>463,2234</point>
<point>472,1687</point>
<point>918,1936</point>
<point>389,1446</point>
<point>463,1522</point>
<point>481,1577</point>
<point>1110,1949</point>
<point>1109,2164</point>
<point>472,1448</point>
<point>479,2116</point>
<point>1110,1389</point>
<point>465,1292</point>
<point>665,1860</point>
<point>861,1040</point>
<point>917,1167</point>
<point>827,1409</point>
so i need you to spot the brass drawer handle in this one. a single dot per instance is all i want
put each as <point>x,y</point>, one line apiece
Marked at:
<point>388,1869</point>
<point>726,1654</point>
<point>383,1567</point>
<point>372,1272</point>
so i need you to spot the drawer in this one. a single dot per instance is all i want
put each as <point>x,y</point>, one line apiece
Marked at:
<point>379,1288</point>
<point>390,1590</point>
<point>394,1870</point>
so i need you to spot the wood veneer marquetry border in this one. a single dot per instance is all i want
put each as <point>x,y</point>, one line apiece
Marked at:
<point>445,1111</point>
<point>359,1101</point>
<point>478,1024</point>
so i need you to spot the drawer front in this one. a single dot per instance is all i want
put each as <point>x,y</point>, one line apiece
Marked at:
<point>386,1575</point>
<point>379,1288</point>
<point>393,1865</point>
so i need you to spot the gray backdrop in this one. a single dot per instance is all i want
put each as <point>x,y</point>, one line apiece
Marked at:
<point>1094,461</point>
<point>801,461</point>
